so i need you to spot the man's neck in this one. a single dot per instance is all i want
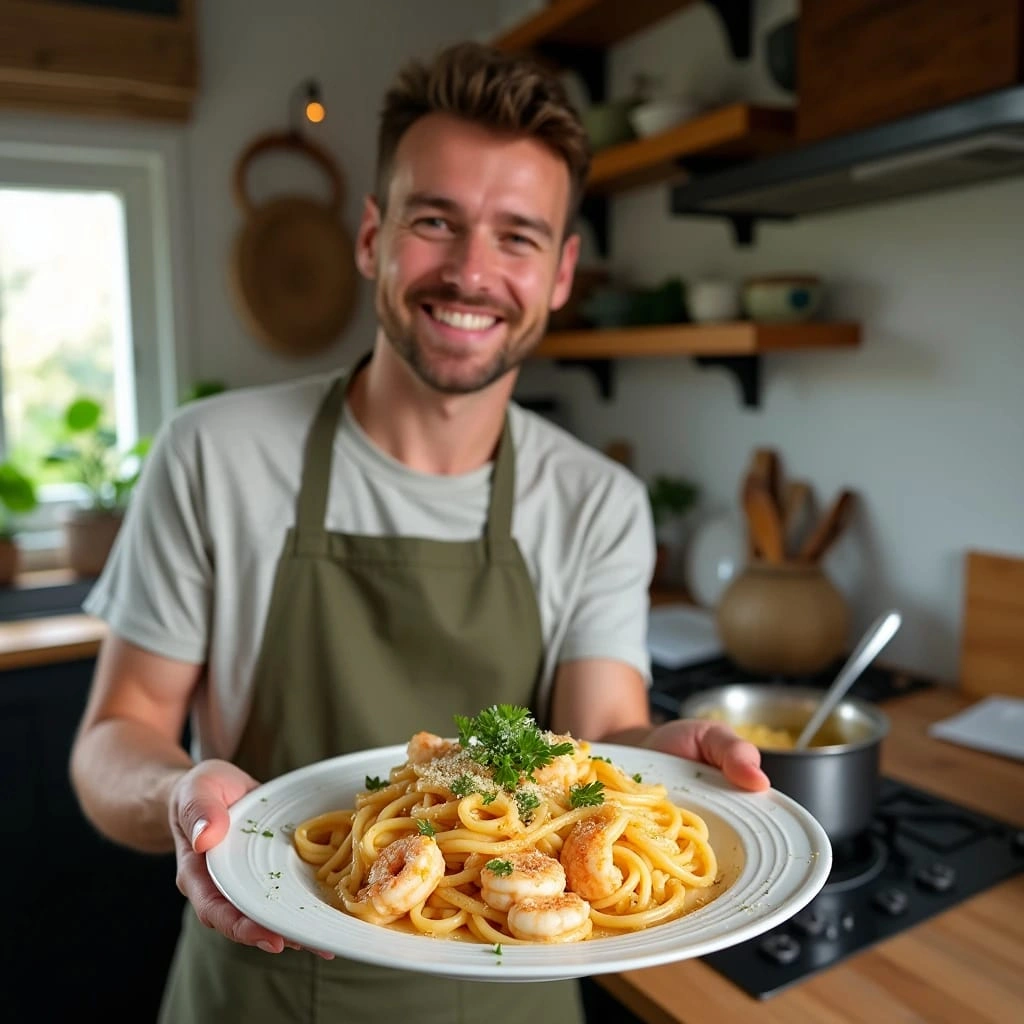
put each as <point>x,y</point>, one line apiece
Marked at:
<point>421,428</point>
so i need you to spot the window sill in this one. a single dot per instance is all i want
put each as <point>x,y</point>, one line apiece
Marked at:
<point>43,592</point>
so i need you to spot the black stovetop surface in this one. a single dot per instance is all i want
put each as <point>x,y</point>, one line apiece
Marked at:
<point>921,855</point>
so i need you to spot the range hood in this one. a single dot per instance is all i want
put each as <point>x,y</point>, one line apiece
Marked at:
<point>970,141</point>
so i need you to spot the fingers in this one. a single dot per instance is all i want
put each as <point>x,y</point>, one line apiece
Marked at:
<point>739,760</point>
<point>199,819</point>
<point>713,743</point>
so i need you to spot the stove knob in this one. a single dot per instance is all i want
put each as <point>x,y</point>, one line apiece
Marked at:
<point>938,877</point>
<point>846,922</point>
<point>892,901</point>
<point>781,948</point>
<point>809,922</point>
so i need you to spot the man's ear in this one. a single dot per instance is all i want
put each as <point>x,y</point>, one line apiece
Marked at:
<point>564,274</point>
<point>366,239</point>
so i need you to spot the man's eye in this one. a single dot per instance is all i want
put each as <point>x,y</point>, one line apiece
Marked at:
<point>434,225</point>
<point>520,241</point>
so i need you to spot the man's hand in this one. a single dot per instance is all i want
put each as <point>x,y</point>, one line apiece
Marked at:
<point>713,743</point>
<point>199,819</point>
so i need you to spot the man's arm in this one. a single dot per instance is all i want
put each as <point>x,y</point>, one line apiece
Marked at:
<point>603,700</point>
<point>127,753</point>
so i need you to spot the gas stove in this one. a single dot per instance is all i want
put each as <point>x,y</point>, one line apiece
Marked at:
<point>921,854</point>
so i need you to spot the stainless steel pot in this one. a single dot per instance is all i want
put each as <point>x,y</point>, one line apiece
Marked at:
<point>838,783</point>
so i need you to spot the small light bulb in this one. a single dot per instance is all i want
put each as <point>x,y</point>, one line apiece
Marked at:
<point>315,111</point>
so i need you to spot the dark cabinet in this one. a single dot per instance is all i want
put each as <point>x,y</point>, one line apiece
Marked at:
<point>89,926</point>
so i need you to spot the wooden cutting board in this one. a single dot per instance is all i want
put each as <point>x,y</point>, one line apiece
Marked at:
<point>992,646</point>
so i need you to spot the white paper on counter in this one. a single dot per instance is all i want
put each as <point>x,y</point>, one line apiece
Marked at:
<point>995,725</point>
<point>681,634</point>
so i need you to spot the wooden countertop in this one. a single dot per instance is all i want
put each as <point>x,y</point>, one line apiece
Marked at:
<point>45,641</point>
<point>964,966</point>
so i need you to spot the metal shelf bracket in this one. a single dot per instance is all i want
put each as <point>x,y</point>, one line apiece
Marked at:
<point>736,19</point>
<point>746,370</point>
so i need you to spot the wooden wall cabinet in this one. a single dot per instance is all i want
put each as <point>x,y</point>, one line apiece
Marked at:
<point>863,63</point>
<point>130,58</point>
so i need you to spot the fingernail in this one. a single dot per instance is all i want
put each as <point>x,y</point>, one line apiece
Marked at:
<point>265,946</point>
<point>197,830</point>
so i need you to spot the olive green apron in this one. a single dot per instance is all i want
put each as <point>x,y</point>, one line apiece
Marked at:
<point>367,641</point>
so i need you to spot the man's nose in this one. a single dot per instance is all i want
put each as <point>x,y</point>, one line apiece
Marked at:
<point>469,262</point>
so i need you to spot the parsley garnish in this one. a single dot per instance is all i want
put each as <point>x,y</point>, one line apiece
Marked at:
<point>638,778</point>
<point>375,783</point>
<point>425,827</point>
<point>497,949</point>
<point>506,739</point>
<point>502,868</point>
<point>463,785</point>
<point>527,803</point>
<point>587,796</point>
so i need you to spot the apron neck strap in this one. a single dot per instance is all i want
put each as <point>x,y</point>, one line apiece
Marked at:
<point>316,469</point>
<point>316,464</point>
<point>503,486</point>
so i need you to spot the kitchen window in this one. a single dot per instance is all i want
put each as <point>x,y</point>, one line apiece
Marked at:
<point>86,308</point>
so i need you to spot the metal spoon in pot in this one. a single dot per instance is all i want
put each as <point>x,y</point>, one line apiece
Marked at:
<point>881,632</point>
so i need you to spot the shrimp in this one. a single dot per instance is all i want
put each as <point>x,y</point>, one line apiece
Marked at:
<point>403,876</point>
<point>532,874</point>
<point>587,853</point>
<point>564,917</point>
<point>425,746</point>
<point>565,770</point>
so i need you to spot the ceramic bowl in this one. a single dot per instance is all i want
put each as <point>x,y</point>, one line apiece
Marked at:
<point>713,300</point>
<point>659,115</point>
<point>782,298</point>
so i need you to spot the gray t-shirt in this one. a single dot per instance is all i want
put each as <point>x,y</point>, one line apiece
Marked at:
<point>190,576</point>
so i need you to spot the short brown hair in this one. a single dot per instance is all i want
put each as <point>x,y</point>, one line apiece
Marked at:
<point>505,92</point>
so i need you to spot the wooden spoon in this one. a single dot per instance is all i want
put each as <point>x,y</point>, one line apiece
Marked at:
<point>796,510</point>
<point>765,523</point>
<point>829,528</point>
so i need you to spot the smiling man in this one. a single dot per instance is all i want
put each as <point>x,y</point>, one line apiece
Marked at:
<point>338,562</point>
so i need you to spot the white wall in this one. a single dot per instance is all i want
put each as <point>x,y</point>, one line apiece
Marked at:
<point>925,420</point>
<point>254,54</point>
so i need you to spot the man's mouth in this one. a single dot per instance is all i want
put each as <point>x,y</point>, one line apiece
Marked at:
<point>461,319</point>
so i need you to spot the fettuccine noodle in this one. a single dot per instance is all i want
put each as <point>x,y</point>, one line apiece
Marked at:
<point>494,865</point>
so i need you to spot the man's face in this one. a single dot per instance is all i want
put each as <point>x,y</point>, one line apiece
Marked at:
<point>469,258</point>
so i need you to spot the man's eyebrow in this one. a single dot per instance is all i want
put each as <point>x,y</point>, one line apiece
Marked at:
<point>434,201</point>
<point>417,200</point>
<point>535,224</point>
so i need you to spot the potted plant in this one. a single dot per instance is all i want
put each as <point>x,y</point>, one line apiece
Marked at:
<point>17,496</point>
<point>671,498</point>
<point>89,449</point>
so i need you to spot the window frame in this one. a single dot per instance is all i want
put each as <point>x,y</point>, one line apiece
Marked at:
<point>145,166</point>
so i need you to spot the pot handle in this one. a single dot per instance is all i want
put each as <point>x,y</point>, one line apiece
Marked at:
<point>295,143</point>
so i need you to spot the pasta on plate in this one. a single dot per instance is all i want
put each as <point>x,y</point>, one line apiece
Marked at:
<point>509,834</point>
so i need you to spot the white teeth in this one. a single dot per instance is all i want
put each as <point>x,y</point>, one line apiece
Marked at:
<point>464,321</point>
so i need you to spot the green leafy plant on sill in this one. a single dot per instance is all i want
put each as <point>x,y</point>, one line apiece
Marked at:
<point>89,449</point>
<point>671,498</point>
<point>17,497</point>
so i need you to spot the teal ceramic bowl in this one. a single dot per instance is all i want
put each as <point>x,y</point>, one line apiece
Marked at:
<point>782,298</point>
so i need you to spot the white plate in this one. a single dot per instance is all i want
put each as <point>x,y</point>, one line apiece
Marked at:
<point>775,858</point>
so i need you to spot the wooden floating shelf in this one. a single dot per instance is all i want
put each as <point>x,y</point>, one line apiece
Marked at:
<point>743,338</point>
<point>738,131</point>
<point>596,24</point>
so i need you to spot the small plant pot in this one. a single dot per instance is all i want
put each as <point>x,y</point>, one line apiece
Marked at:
<point>89,535</point>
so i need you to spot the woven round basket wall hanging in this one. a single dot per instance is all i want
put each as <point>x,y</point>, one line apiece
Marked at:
<point>293,272</point>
